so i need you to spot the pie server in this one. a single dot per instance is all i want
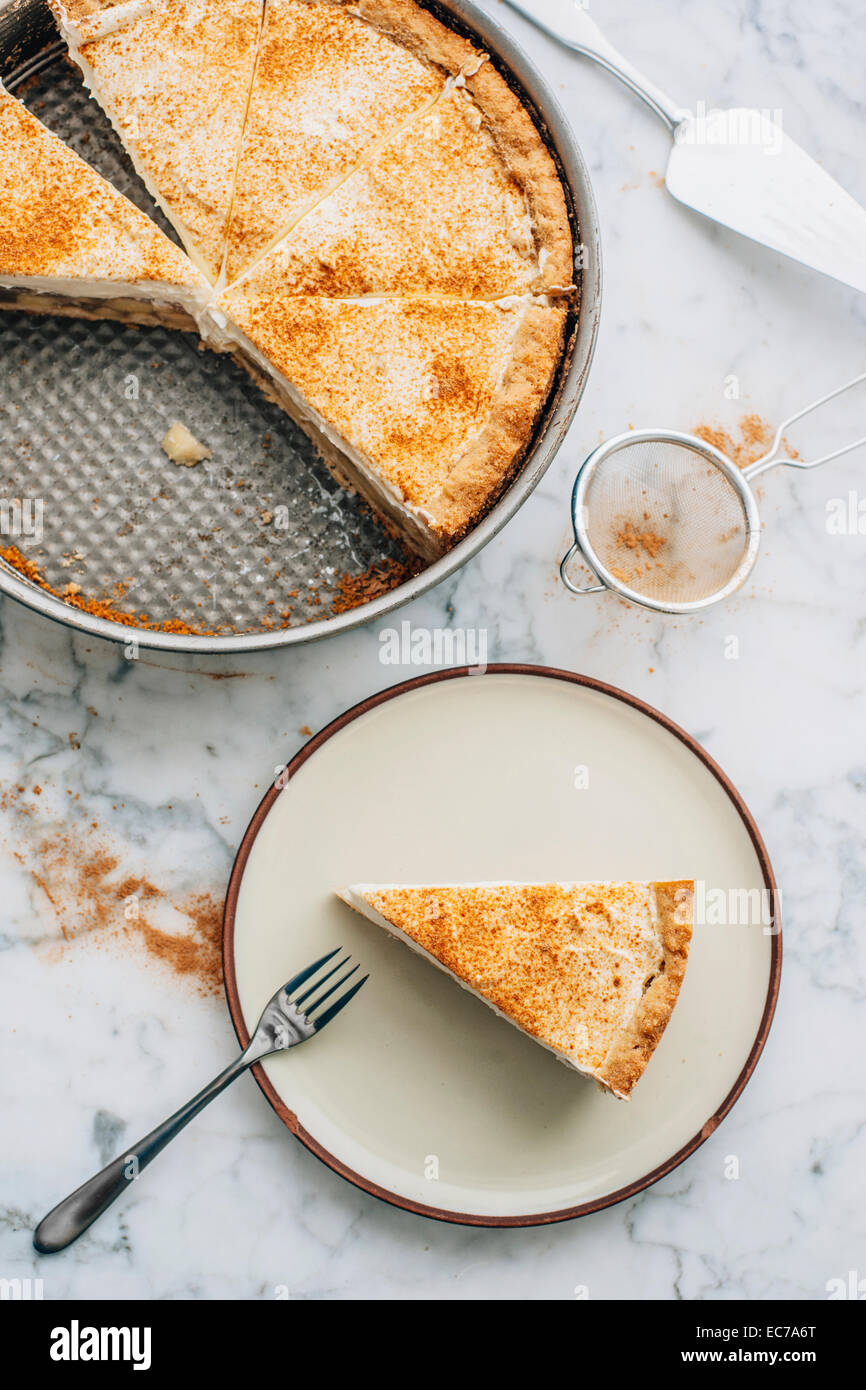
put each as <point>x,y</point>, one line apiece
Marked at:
<point>735,166</point>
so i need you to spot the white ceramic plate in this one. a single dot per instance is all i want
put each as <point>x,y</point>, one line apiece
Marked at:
<point>419,1093</point>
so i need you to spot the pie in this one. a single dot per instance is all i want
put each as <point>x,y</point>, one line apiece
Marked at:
<point>71,244</point>
<point>173,77</point>
<point>383,230</point>
<point>435,210</point>
<point>421,405</point>
<point>590,970</point>
<point>327,88</point>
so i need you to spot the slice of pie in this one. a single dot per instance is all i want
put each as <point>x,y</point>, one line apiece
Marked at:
<point>590,970</point>
<point>424,406</point>
<point>174,79</point>
<point>517,139</point>
<point>435,210</point>
<point>71,244</point>
<point>327,86</point>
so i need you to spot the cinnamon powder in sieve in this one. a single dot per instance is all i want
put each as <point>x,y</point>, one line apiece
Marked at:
<point>644,540</point>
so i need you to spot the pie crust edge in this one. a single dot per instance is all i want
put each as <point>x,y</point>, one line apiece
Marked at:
<point>625,1062</point>
<point>486,468</point>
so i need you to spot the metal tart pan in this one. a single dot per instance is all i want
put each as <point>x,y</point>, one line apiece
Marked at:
<point>84,406</point>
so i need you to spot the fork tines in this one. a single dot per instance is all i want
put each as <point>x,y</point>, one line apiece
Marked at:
<point>308,1008</point>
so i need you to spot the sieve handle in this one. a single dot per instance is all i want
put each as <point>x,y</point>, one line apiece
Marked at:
<point>568,582</point>
<point>772,459</point>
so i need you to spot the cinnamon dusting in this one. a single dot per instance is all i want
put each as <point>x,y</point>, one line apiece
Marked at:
<point>755,438</point>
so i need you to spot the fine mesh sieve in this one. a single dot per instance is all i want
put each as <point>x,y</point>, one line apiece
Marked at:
<point>666,520</point>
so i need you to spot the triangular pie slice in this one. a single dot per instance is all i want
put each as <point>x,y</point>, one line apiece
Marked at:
<point>518,141</point>
<point>327,86</point>
<point>71,244</point>
<point>424,406</point>
<point>590,970</point>
<point>174,79</point>
<point>435,210</point>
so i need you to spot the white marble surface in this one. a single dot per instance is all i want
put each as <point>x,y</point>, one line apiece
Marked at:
<point>100,1040</point>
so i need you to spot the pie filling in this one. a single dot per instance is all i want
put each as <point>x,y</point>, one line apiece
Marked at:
<point>329,88</point>
<point>174,79</point>
<point>92,85</point>
<point>86,23</point>
<point>161,305</point>
<point>353,897</point>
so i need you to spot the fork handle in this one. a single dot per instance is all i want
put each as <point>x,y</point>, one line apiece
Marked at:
<point>66,1222</point>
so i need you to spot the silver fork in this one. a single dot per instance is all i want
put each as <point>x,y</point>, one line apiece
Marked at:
<point>285,1022</point>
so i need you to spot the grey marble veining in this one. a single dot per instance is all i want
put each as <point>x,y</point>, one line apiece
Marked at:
<point>167,757</point>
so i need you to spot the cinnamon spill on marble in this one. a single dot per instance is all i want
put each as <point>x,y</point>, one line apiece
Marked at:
<point>79,871</point>
<point>755,437</point>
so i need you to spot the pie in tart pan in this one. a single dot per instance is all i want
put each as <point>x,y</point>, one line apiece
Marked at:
<point>374,226</point>
<point>553,802</point>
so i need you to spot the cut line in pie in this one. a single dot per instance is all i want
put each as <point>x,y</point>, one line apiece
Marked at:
<point>435,210</point>
<point>174,77</point>
<point>327,87</point>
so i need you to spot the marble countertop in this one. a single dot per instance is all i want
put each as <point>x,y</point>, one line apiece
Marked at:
<point>150,769</point>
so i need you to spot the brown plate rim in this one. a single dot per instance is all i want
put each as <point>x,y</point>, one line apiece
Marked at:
<point>291,1120</point>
